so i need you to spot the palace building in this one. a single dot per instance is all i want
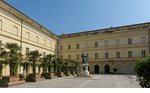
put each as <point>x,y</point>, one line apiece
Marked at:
<point>108,49</point>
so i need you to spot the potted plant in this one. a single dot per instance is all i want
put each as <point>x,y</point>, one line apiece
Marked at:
<point>3,83</point>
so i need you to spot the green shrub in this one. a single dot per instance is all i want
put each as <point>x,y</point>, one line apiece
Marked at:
<point>21,77</point>
<point>142,69</point>
<point>46,75</point>
<point>3,83</point>
<point>31,78</point>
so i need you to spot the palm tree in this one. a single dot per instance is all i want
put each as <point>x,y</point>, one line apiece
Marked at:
<point>13,56</point>
<point>59,64</point>
<point>66,62</point>
<point>72,66</point>
<point>44,65</point>
<point>25,68</point>
<point>34,56</point>
<point>2,61</point>
<point>54,62</point>
<point>47,63</point>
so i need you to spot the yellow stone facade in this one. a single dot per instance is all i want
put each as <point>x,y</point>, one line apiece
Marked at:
<point>108,49</point>
<point>16,27</point>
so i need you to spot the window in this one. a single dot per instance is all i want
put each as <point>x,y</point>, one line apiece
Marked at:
<point>0,44</point>
<point>77,57</point>
<point>130,54</point>
<point>61,47</point>
<point>86,45</point>
<point>117,54</point>
<point>28,35</point>
<point>27,50</point>
<point>44,42</point>
<point>37,39</point>
<point>96,55</point>
<point>15,30</point>
<point>96,44</point>
<point>143,53</point>
<point>106,55</point>
<point>129,41</point>
<point>106,43</point>
<point>77,46</point>
<point>117,42</point>
<point>69,47</point>
<point>44,53</point>
<point>0,24</point>
<point>69,56</point>
<point>50,43</point>
<point>142,40</point>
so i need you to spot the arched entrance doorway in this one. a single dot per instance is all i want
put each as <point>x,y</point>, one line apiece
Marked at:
<point>107,69</point>
<point>130,69</point>
<point>96,69</point>
<point>119,69</point>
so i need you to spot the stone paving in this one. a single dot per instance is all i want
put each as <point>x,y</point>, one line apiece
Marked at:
<point>98,81</point>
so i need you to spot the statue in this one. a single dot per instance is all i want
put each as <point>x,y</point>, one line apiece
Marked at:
<point>84,58</point>
<point>84,66</point>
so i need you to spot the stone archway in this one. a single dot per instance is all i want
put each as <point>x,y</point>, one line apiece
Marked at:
<point>119,68</point>
<point>107,69</point>
<point>96,69</point>
<point>130,69</point>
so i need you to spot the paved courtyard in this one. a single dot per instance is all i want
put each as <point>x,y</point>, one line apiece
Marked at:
<point>98,81</point>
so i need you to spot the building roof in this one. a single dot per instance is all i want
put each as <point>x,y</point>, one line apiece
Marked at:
<point>109,30</point>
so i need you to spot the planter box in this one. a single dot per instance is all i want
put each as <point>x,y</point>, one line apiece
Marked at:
<point>3,85</point>
<point>31,78</point>
<point>7,78</point>
<point>14,78</point>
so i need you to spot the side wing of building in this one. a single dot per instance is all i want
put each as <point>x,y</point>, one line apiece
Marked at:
<point>16,27</point>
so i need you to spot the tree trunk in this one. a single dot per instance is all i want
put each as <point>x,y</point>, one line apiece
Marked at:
<point>55,70</point>
<point>11,68</point>
<point>34,68</point>
<point>49,70</point>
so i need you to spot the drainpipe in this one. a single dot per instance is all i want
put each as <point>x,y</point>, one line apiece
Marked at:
<point>21,36</point>
<point>21,42</point>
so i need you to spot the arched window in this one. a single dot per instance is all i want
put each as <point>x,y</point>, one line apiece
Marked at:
<point>50,43</point>
<point>15,30</point>
<point>27,35</point>
<point>44,42</point>
<point>37,39</point>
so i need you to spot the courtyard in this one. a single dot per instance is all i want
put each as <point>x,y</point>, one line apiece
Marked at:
<point>97,81</point>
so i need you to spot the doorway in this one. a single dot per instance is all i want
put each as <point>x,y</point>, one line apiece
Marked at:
<point>107,69</point>
<point>96,69</point>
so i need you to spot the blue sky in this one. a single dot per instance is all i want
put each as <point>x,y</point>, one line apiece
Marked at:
<point>70,16</point>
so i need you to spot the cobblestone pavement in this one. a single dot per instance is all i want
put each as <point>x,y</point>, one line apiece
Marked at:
<point>98,81</point>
